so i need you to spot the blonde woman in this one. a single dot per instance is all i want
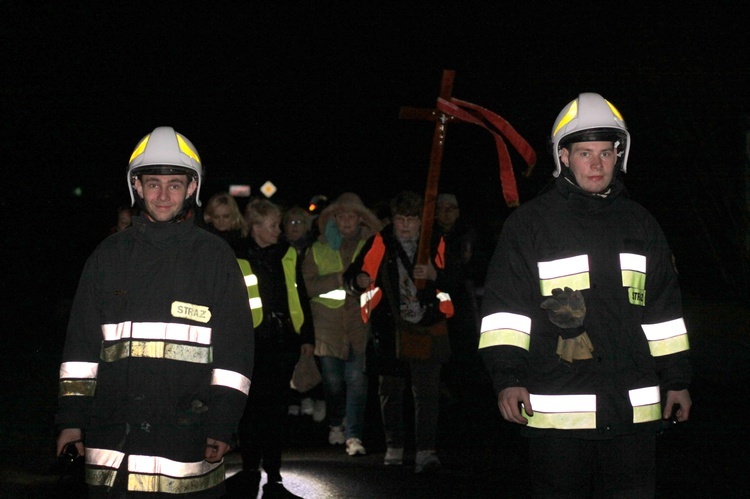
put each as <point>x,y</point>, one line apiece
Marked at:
<point>223,217</point>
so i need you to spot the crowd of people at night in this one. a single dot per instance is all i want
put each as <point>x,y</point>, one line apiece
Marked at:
<point>189,322</point>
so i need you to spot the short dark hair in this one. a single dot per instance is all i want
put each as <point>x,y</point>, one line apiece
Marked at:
<point>408,204</point>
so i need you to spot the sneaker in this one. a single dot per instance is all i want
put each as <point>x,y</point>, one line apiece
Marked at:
<point>319,411</point>
<point>354,446</point>
<point>426,460</point>
<point>307,406</point>
<point>394,456</point>
<point>336,435</point>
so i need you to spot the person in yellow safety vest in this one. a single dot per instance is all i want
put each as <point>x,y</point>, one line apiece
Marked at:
<point>340,334</point>
<point>283,332</point>
<point>409,329</point>
<point>582,330</point>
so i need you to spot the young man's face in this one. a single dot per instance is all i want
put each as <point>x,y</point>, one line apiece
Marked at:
<point>164,195</point>
<point>592,164</point>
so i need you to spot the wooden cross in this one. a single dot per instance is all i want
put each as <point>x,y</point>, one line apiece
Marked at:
<point>441,120</point>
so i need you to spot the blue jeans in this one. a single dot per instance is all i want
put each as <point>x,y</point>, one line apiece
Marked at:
<point>345,385</point>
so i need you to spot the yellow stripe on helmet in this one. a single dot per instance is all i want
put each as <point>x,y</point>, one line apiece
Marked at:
<point>572,113</point>
<point>185,148</point>
<point>139,148</point>
<point>614,110</point>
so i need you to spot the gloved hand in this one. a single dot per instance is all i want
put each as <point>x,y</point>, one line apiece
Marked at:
<point>565,308</point>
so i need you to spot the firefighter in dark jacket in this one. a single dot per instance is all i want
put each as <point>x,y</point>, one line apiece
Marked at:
<point>283,332</point>
<point>582,329</point>
<point>408,326</point>
<point>158,355</point>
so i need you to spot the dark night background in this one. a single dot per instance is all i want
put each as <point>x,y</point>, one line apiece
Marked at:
<point>307,94</point>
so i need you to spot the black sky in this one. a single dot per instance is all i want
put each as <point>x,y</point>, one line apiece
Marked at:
<point>307,94</point>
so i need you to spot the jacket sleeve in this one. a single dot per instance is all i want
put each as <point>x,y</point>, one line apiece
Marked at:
<point>307,334</point>
<point>511,287</point>
<point>355,268</point>
<point>233,350</point>
<point>663,322</point>
<point>80,359</point>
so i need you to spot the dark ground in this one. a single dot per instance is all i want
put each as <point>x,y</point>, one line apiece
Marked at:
<point>709,456</point>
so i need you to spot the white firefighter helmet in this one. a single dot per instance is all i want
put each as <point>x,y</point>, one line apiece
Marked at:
<point>590,118</point>
<point>165,152</point>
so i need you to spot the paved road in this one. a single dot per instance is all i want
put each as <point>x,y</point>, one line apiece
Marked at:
<point>483,457</point>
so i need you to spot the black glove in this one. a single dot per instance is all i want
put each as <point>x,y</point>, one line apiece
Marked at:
<point>565,308</point>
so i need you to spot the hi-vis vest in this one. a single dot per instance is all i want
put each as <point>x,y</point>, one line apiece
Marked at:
<point>329,261</point>
<point>289,264</point>
<point>373,294</point>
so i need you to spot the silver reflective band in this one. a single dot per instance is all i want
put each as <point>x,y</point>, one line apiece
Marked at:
<point>83,370</point>
<point>251,280</point>
<point>563,412</point>
<point>336,294</point>
<point>157,331</point>
<point>667,337</point>
<point>631,261</point>
<point>367,296</point>
<point>104,457</point>
<point>646,404</point>
<point>570,272</point>
<point>503,328</point>
<point>231,379</point>
<point>443,296</point>
<point>255,303</point>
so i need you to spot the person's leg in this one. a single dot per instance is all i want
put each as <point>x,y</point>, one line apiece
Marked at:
<point>391,393</point>
<point>627,467</point>
<point>425,386</point>
<point>356,394</point>
<point>332,371</point>
<point>561,467</point>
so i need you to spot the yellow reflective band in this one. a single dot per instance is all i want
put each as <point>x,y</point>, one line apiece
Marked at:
<point>157,474</point>
<point>170,331</point>
<point>99,477</point>
<point>230,379</point>
<point>185,148</point>
<point>77,388</point>
<point>139,148</point>
<point>633,279</point>
<point>572,272</point>
<point>158,350</point>
<point>563,412</point>
<point>336,294</point>
<point>646,413</point>
<point>104,457</point>
<point>504,337</point>
<point>78,370</point>
<point>646,404</point>
<point>669,346</point>
<point>614,110</point>
<point>572,113</point>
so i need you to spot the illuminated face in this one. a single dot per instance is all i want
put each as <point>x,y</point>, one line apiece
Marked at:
<point>221,218</point>
<point>347,223</point>
<point>591,163</point>
<point>267,232</point>
<point>163,195</point>
<point>406,227</point>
